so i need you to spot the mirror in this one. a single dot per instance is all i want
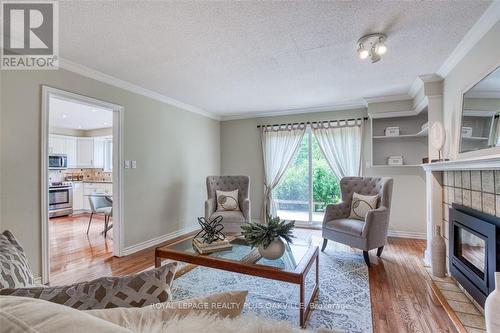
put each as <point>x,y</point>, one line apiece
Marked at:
<point>480,115</point>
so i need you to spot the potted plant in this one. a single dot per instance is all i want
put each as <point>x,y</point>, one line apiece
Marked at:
<point>268,238</point>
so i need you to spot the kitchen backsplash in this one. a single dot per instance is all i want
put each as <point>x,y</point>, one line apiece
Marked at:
<point>88,175</point>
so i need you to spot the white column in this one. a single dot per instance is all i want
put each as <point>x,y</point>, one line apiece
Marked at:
<point>434,204</point>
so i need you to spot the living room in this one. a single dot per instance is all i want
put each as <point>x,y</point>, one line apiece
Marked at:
<point>232,116</point>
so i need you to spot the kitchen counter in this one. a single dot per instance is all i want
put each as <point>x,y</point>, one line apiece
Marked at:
<point>91,181</point>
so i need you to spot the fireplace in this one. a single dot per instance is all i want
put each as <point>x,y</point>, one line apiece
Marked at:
<point>474,250</point>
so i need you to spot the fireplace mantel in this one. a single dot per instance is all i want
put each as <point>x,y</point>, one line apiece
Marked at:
<point>491,162</point>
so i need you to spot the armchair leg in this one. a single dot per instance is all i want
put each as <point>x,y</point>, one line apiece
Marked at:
<point>323,247</point>
<point>367,258</point>
<point>379,251</point>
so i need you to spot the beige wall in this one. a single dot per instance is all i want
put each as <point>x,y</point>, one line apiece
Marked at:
<point>483,57</point>
<point>241,154</point>
<point>176,149</point>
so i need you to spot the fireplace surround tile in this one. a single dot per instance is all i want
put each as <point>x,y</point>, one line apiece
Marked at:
<point>476,200</point>
<point>466,180</point>
<point>471,320</point>
<point>489,203</point>
<point>488,182</point>
<point>497,181</point>
<point>446,194</point>
<point>467,198</point>
<point>450,178</point>
<point>464,307</point>
<point>498,205</point>
<point>475,180</point>
<point>458,195</point>
<point>458,179</point>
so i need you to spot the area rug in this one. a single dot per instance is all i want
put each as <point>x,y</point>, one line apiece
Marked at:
<point>343,303</point>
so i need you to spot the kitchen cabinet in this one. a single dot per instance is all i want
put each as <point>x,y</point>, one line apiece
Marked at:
<point>78,198</point>
<point>99,147</point>
<point>108,155</point>
<point>57,144</point>
<point>85,152</point>
<point>71,152</point>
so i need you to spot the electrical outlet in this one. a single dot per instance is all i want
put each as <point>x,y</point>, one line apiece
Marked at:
<point>126,164</point>
<point>134,164</point>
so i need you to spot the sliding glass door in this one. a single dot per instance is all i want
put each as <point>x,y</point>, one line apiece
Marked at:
<point>307,186</point>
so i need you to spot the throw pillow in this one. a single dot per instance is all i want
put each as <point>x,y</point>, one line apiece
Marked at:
<point>227,200</point>
<point>15,271</point>
<point>227,304</point>
<point>361,204</point>
<point>145,288</point>
<point>24,315</point>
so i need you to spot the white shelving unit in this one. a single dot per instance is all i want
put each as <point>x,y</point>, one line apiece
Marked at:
<point>412,143</point>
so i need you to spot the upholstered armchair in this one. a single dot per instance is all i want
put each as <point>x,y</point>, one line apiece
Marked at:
<point>365,235</point>
<point>233,219</point>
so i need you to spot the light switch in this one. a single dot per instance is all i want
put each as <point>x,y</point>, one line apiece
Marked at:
<point>126,164</point>
<point>134,164</point>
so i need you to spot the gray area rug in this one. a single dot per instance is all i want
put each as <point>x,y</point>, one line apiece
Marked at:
<point>343,302</point>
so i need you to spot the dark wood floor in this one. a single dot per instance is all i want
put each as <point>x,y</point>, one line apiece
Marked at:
<point>400,288</point>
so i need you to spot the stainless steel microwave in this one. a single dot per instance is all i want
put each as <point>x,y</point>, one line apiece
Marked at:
<point>59,161</point>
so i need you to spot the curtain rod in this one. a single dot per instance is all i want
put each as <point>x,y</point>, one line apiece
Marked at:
<point>312,122</point>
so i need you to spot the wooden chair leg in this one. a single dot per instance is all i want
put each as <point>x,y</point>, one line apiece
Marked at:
<point>367,258</point>
<point>90,221</point>
<point>379,251</point>
<point>323,247</point>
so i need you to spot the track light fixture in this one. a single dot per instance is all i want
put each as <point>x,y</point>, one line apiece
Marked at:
<point>373,46</point>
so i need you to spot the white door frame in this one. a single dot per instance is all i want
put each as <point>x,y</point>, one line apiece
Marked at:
<point>118,216</point>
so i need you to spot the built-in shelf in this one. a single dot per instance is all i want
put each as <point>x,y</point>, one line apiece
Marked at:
<point>421,134</point>
<point>411,144</point>
<point>474,138</point>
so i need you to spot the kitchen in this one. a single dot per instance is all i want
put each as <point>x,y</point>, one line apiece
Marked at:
<point>80,169</point>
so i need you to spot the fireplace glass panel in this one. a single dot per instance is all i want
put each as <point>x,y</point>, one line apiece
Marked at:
<point>472,250</point>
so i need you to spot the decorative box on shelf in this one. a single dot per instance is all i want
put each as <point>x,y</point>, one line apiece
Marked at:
<point>395,160</point>
<point>466,132</point>
<point>391,131</point>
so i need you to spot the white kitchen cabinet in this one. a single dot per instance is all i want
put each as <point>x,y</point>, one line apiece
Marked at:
<point>85,152</point>
<point>108,155</point>
<point>99,147</point>
<point>71,152</point>
<point>78,198</point>
<point>57,144</point>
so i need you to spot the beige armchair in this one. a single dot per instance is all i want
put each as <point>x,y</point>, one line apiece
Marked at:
<point>232,220</point>
<point>365,235</point>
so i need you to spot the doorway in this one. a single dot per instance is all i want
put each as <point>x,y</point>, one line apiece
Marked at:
<point>81,180</point>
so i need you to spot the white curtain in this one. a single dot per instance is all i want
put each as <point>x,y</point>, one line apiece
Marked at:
<point>279,146</point>
<point>340,142</point>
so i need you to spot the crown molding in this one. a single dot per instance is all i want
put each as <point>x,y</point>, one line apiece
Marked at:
<point>387,98</point>
<point>111,80</point>
<point>489,18</point>
<point>357,104</point>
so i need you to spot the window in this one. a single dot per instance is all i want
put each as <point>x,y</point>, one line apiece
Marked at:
<point>308,185</point>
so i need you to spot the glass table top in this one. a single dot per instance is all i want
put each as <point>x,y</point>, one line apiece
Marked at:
<point>242,252</point>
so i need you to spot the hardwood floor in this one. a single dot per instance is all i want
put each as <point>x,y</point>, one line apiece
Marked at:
<point>400,288</point>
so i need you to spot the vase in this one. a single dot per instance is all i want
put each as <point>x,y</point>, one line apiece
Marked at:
<point>492,307</point>
<point>274,251</point>
<point>438,254</point>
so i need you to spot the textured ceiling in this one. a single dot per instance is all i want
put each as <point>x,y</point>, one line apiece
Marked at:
<point>244,57</point>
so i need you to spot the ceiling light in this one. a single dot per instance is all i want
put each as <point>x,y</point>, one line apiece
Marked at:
<point>362,52</point>
<point>64,116</point>
<point>381,49</point>
<point>373,46</point>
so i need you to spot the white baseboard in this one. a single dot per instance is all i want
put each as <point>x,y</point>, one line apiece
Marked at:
<point>407,234</point>
<point>157,240</point>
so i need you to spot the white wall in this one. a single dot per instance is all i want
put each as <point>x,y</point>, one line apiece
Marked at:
<point>241,153</point>
<point>483,58</point>
<point>175,150</point>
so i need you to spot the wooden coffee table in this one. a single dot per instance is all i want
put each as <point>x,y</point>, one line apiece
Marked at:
<point>293,267</point>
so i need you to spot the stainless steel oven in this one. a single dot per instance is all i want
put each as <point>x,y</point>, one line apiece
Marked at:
<point>60,199</point>
<point>59,161</point>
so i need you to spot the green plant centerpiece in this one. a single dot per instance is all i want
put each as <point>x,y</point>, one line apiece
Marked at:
<point>268,238</point>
